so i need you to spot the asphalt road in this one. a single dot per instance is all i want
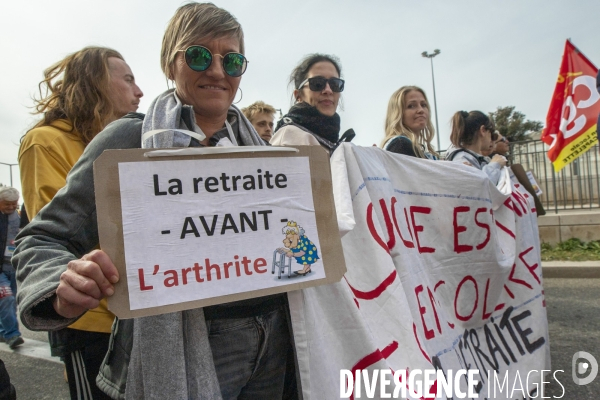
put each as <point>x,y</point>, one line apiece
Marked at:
<point>35,374</point>
<point>573,307</point>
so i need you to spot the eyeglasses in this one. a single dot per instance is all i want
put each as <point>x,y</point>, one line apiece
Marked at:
<point>199,59</point>
<point>318,83</point>
<point>503,140</point>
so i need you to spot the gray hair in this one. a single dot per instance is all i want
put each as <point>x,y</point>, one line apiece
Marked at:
<point>195,21</point>
<point>8,193</point>
<point>292,227</point>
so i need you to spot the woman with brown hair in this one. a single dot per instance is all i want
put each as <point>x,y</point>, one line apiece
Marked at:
<point>313,119</point>
<point>408,127</point>
<point>472,134</point>
<point>79,96</point>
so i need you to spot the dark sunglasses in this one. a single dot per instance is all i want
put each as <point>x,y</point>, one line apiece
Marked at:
<point>318,83</point>
<point>503,140</point>
<point>199,58</point>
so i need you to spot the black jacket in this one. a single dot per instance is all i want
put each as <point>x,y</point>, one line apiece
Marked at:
<point>3,231</point>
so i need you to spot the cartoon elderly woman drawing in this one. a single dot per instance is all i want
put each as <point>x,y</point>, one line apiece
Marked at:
<point>297,245</point>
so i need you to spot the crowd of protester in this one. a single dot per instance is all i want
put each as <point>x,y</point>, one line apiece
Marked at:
<point>65,279</point>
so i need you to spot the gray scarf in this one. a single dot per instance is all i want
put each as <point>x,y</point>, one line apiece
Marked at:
<point>171,356</point>
<point>167,112</point>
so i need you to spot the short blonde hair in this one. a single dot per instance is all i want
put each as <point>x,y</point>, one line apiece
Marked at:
<point>256,108</point>
<point>195,21</point>
<point>395,126</point>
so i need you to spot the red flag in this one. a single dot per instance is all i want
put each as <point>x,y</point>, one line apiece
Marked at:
<point>571,122</point>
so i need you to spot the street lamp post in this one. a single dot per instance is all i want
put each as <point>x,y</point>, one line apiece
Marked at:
<point>437,129</point>
<point>10,167</point>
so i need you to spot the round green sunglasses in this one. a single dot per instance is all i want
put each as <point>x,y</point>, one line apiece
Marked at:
<point>199,58</point>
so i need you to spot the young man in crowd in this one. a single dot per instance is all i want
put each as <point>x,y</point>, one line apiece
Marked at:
<point>262,117</point>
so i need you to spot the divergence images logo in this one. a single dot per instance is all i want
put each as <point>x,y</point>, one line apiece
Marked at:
<point>583,367</point>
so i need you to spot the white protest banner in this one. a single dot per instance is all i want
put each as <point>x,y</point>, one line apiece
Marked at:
<point>206,229</point>
<point>443,273</point>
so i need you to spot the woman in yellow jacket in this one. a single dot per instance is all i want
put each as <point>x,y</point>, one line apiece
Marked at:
<point>79,96</point>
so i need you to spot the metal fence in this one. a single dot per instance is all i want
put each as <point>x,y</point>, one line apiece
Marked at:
<point>576,186</point>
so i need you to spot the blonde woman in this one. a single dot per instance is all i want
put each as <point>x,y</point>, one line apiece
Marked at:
<point>408,127</point>
<point>236,350</point>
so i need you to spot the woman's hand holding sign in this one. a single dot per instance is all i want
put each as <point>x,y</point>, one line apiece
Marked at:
<point>85,282</point>
<point>499,159</point>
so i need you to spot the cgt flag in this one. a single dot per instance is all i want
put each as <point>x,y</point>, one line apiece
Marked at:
<point>571,122</point>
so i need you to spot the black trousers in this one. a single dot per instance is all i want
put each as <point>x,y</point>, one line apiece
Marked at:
<point>82,367</point>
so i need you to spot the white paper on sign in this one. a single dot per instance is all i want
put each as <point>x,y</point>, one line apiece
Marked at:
<point>197,229</point>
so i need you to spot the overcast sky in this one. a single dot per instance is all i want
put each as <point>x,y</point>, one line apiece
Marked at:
<point>493,53</point>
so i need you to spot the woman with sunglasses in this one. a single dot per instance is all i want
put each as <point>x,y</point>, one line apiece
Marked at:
<point>502,146</point>
<point>83,93</point>
<point>472,134</point>
<point>313,119</point>
<point>408,127</point>
<point>229,351</point>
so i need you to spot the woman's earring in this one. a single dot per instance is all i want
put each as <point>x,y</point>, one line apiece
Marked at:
<point>241,95</point>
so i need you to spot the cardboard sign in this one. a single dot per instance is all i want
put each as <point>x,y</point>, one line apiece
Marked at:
<point>190,228</point>
<point>534,183</point>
